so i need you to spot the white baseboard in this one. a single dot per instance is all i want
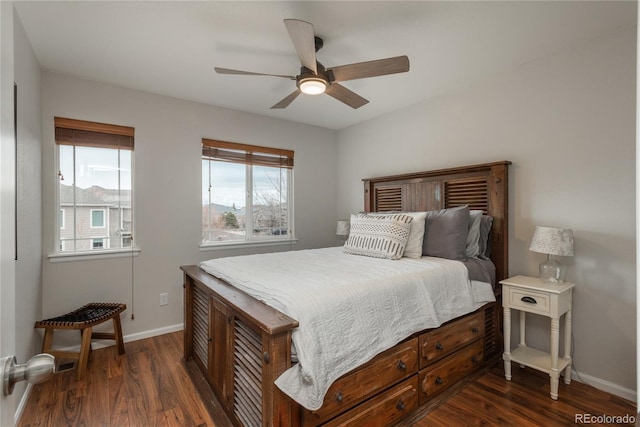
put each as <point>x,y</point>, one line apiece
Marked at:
<point>96,344</point>
<point>609,387</point>
<point>151,333</point>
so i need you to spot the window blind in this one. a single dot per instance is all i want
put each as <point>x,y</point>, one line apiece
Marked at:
<point>247,154</point>
<point>93,134</point>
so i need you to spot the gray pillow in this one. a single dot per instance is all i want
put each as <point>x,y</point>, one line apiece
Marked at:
<point>473,236</point>
<point>445,233</point>
<point>485,236</point>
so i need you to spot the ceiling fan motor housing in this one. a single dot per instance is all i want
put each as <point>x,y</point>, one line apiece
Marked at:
<point>323,73</point>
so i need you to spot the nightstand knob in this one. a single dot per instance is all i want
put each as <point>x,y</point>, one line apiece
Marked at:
<point>529,300</point>
<point>474,330</point>
<point>339,397</point>
<point>400,406</point>
<point>438,380</point>
<point>401,366</point>
<point>439,346</point>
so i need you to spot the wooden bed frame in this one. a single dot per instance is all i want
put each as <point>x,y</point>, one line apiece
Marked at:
<point>235,346</point>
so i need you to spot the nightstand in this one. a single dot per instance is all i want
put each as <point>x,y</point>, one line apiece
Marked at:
<point>553,300</point>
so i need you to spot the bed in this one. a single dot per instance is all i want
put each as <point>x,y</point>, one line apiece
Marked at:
<point>236,347</point>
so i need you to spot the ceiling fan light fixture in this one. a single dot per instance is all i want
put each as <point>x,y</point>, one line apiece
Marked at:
<point>312,86</point>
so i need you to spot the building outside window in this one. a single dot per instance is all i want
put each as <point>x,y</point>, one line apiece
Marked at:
<point>247,193</point>
<point>95,163</point>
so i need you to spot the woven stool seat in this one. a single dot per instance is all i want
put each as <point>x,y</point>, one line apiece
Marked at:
<point>90,314</point>
<point>84,319</point>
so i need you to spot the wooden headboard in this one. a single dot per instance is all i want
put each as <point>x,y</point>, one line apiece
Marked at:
<point>483,187</point>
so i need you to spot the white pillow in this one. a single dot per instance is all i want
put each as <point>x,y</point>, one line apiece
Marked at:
<point>416,235</point>
<point>472,249</point>
<point>378,236</point>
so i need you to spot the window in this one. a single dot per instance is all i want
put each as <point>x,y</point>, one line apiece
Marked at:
<point>97,218</point>
<point>97,243</point>
<point>246,193</point>
<point>95,163</point>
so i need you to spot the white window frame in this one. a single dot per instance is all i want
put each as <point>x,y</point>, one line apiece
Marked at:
<point>62,220</point>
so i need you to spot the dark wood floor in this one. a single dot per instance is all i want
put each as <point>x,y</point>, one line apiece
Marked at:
<point>149,386</point>
<point>490,400</point>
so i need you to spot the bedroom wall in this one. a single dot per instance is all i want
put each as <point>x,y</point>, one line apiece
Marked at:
<point>567,122</point>
<point>167,180</point>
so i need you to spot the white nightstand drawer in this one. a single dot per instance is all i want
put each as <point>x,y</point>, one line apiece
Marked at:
<point>528,300</point>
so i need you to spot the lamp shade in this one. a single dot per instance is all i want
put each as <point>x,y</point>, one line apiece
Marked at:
<point>552,241</point>
<point>343,228</point>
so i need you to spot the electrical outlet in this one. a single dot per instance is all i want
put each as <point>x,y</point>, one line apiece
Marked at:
<point>164,299</point>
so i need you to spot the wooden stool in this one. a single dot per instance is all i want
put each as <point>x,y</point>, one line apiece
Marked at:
<point>84,319</point>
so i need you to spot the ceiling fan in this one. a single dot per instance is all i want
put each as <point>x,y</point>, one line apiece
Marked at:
<point>315,79</point>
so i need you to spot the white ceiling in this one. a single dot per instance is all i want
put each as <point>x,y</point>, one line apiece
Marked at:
<point>171,47</point>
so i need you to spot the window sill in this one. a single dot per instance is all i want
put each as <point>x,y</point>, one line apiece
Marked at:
<point>85,256</point>
<point>205,247</point>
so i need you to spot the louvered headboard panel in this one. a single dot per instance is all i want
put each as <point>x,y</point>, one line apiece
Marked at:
<point>388,198</point>
<point>483,186</point>
<point>472,192</point>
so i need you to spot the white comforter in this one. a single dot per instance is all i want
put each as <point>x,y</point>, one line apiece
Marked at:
<point>349,307</point>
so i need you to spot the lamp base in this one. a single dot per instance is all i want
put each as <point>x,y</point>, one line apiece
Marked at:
<point>551,270</point>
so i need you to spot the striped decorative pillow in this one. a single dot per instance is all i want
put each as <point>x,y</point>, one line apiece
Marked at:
<point>378,236</point>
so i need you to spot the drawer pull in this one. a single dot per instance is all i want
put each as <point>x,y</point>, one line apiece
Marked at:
<point>400,406</point>
<point>474,330</point>
<point>529,300</point>
<point>401,366</point>
<point>339,397</point>
<point>438,380</point>
<point>209,339</point>
<point>439,346</point>
<point>474,360</point>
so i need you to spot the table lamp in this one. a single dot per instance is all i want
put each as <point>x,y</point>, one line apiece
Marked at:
<point>554,242</point>
<point>342,230</point>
